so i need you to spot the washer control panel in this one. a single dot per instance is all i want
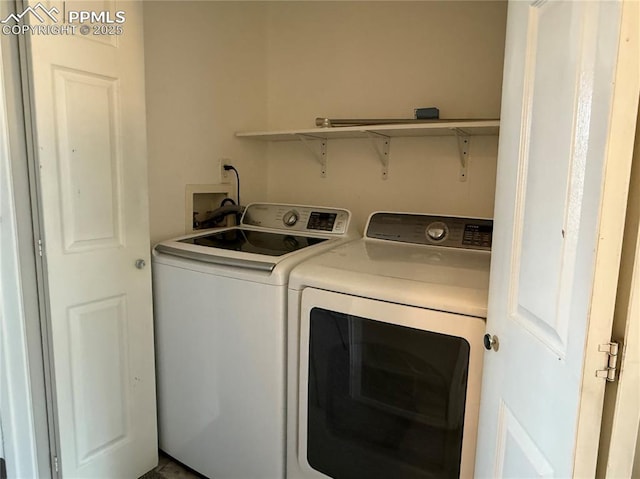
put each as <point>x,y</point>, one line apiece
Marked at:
<point>297,218</point>
<point>450,231</point>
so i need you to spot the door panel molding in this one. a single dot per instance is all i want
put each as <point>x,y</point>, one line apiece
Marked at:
<point>99,371</point>
<point>90,159</point>
<point>513,436</point>
<point>549,236</point>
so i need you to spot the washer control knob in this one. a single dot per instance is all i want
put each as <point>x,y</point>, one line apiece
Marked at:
<point>290,218</point>
<point>437,231</point>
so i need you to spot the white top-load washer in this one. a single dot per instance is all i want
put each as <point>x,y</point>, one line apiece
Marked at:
<point>220,314</point>
<point>385,349</point>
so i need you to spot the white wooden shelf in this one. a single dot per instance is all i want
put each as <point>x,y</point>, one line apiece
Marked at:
<point>380,136</point>
<point>439,128</point>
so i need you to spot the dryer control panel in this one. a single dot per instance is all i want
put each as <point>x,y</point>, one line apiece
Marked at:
<point>450,231</point>
<point>310,219</point>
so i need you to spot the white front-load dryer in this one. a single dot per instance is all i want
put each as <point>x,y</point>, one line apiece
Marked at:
<point>220,314</point>
<point>385,350</point>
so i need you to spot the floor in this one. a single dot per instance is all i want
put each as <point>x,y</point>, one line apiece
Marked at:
<point>169,469</point>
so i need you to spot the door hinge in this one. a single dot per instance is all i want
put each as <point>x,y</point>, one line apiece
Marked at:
<point>55,464</point>
<point>40,247</point>
<point>611,350</point>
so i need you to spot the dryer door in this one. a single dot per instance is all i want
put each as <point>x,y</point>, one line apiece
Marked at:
<point>386,390</point>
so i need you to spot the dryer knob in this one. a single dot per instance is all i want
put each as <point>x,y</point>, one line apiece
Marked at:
<point>437,231</point>
<point>290,218</point>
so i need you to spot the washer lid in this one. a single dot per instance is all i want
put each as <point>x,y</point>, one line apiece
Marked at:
<point>251,241</point>
<point>270,235</point>
<point>243,247</point>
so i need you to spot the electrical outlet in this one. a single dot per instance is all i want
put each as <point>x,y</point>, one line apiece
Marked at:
<point>221,162</point>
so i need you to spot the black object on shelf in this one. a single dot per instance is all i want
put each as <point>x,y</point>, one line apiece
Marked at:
<point>430,113</point>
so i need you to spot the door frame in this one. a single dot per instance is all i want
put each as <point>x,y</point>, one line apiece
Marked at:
<point>29,390</point>
<point>618,438</point>
<point>619,152</point>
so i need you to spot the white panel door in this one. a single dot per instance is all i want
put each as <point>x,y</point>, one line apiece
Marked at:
<point>558,114</point>
<point>90,140</point>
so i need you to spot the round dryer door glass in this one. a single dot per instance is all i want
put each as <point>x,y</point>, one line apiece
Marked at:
<point>384,400</point>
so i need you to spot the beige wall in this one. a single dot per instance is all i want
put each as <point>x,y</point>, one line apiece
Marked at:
<point>423,177</point>
<point>382,60</point>
<point>214,68</point>
<point>205,79</point>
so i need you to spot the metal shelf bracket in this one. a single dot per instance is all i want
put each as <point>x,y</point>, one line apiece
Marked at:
<point>381,145</point>
<point>320,156</point>
<point>463,149</point>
